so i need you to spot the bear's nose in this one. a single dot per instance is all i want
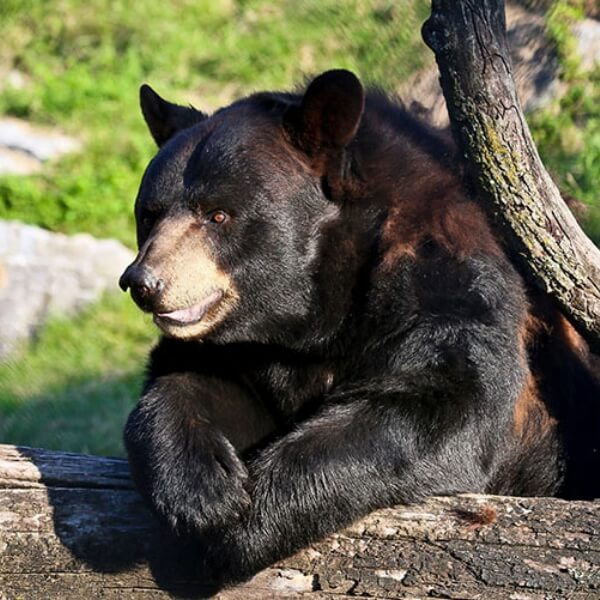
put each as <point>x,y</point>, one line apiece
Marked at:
<point>143,283</point>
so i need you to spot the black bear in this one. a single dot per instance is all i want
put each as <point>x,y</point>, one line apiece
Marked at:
<point>342,328</point>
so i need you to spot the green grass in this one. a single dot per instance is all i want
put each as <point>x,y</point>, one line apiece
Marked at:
<point>73,387</point>
<point>568,136</point>
<point>84,62</point>
<point>568,132</point>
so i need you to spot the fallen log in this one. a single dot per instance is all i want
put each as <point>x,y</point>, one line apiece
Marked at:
<point>73,527</point>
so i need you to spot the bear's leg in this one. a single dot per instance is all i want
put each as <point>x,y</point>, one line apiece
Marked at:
<point>334,468</point>
<point>183,439</point>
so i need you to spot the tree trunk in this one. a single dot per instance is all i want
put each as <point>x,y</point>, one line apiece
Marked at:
<point>72,527</point>
<point>469,41</point>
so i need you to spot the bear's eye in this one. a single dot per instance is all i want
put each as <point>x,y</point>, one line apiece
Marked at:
<point>218,217</point>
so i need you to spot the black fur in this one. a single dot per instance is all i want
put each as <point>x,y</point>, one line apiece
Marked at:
<point>380,350</point>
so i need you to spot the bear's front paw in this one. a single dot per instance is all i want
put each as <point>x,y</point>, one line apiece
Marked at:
<point>199,486</point>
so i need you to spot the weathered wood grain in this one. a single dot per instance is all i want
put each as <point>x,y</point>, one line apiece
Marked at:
<point>72,527</point>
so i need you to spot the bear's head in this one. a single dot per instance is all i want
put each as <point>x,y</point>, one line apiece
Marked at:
<point>232,211</point>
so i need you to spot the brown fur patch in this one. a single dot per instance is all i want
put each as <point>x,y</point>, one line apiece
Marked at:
<point>486,515</point>
<point>531,419</point>
<point>545,322</point>
<point>441,215</point>
<point>534,328</point>
<point>569,336</point>
<point>529,414</point>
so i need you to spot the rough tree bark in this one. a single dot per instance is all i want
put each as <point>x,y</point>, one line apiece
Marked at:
<point>469,41</point>
<point>72,527</point>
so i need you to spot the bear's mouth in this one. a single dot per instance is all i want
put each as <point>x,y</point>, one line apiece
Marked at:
<point>191,314</point>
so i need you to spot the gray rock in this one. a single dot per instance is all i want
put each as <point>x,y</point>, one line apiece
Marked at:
<point>44,273</point>
<point>587,33</point>
<point>16,162</point>
<point>24,147</point>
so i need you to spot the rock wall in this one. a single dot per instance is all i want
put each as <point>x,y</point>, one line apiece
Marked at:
<point>43,273</point>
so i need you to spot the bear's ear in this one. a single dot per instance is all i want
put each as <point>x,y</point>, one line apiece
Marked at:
<point>329,113</point>
<point>164,118</point>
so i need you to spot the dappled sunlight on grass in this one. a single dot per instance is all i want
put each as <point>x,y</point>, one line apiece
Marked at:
<point>73,387</point>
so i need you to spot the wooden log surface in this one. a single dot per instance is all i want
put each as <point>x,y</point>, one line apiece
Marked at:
<point>73,527</point>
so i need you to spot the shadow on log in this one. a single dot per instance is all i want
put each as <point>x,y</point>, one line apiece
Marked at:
<point>72,527</point>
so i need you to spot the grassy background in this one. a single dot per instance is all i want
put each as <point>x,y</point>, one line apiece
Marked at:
<point>83,62</point>
<point>73,388</point>
<point>568,131</point>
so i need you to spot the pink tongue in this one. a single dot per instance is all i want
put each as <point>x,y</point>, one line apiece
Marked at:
<point>193,313</point>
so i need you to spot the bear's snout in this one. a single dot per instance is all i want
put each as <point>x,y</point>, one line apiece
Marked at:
<point>143,283</point>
